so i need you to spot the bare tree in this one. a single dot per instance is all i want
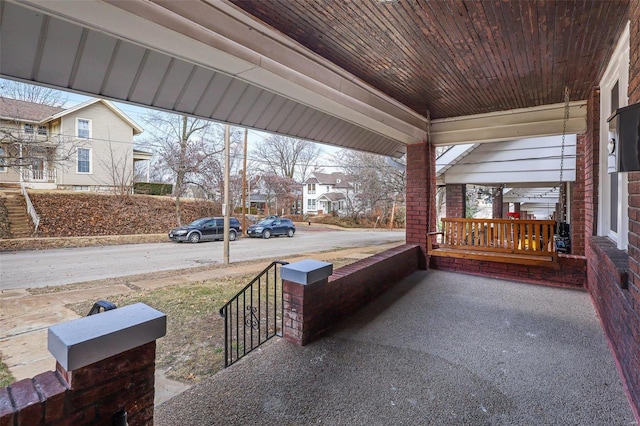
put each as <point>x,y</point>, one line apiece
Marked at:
<point>280,192</point>
<point>26,144</point>
<point>375,184</point>
<point>287,157</point>
<point>190,153</point>
<point>31,93</point>
<point>120,170</point>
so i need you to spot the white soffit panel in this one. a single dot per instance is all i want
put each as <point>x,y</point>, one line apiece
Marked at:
<point>164,61</point>
<point>532,160</point>
<point>547,120</point>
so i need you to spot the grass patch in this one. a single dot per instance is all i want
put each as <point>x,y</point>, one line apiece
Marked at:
<point>194,345</point>
<point>6,378</point>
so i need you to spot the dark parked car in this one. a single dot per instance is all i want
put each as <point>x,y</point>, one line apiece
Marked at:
<point>268,227</point>
<point>206,229</point>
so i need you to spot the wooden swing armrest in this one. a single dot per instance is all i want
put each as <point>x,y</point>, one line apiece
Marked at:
<point>430,244</point>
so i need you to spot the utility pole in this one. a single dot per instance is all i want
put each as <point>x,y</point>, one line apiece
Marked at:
<point>244,184</point>
<point>225,206</point>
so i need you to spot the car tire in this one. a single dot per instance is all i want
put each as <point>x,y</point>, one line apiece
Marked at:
<point>232,235</point>
<point>290,233</point>
<point>266,234</point>
<point>194,238</point>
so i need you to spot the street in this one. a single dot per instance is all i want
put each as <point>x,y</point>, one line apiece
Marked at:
<point>41,268</point>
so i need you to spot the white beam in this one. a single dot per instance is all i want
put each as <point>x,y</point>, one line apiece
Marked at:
<point>547,120</point>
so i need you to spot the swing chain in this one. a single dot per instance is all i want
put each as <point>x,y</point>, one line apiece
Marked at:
<point>562,215</point>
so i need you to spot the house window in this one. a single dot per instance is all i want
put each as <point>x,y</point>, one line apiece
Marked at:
<point>311,204</point>
<point>84,128</point>
<point>311,188</point>
<point>81,188</point>
<point>3,160</point>
<point>328,188</point>
<point>613,216</point>
<point>28,129</point>
<point>42,130</point>
<point>84,160</point>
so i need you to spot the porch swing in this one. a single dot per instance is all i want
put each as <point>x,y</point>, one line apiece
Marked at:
<point>524,242</point>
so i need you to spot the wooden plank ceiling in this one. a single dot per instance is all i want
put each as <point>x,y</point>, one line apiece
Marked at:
<point>458,57</point>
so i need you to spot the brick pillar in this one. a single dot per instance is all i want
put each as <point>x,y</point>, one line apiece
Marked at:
<point>497,204</point>
<point>591,146</point>
<point>303,284</point>
<point>456,199</point>
<point>421,190</point>
<point>578,198</point>
<point>105,368</point>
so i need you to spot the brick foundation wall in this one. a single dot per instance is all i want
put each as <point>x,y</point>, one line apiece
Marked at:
<point>617,308</point>
<point>86,396</point>
<point>312,309</point>
<point>571,274</point>
<point>456,199</point>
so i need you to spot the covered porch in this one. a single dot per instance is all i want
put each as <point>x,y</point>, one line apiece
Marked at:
<point>438,348</point>
<point>414,75</point>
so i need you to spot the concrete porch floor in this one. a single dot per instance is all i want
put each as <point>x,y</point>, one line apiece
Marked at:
<point>439,348</point>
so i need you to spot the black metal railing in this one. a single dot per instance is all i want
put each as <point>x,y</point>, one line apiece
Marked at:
<point>254,315</point>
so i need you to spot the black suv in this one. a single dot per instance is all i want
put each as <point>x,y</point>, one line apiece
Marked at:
<point>268,227</point>
<point>206,229</point>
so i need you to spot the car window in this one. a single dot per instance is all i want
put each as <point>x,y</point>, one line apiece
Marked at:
<point>219,222</point>
<point>211,223</point>
<point>277,222</point>
<point>265,222</point>
<point>198,222</point>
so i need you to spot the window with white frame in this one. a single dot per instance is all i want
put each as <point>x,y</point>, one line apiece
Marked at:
<point>3,160</point>
<point>84,160</point>
<point>28,128</point>
<point>311,204</point>
<point>311,188</point>
<point>42,130</point>
<point>83,128</point>
<point>613,217</point>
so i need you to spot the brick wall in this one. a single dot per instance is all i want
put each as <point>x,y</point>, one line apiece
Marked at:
<point>86,396</point>
<point>421,189</point>
<point>571,274</point>
<point>312,309</point>
<point>613,276</point>
<point>456,198</point>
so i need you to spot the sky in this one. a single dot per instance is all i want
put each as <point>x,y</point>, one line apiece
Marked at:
<point>254,136</point>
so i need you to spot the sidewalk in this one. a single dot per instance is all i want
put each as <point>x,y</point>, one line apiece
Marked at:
<point>25,315</point>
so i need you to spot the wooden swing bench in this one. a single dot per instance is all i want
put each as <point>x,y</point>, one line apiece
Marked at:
<point>524,242</point>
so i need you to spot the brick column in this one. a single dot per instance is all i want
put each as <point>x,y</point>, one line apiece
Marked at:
<point>591,146</point>
<point>497,204</point>
<point>421,190</point>
<point>456,199</point>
